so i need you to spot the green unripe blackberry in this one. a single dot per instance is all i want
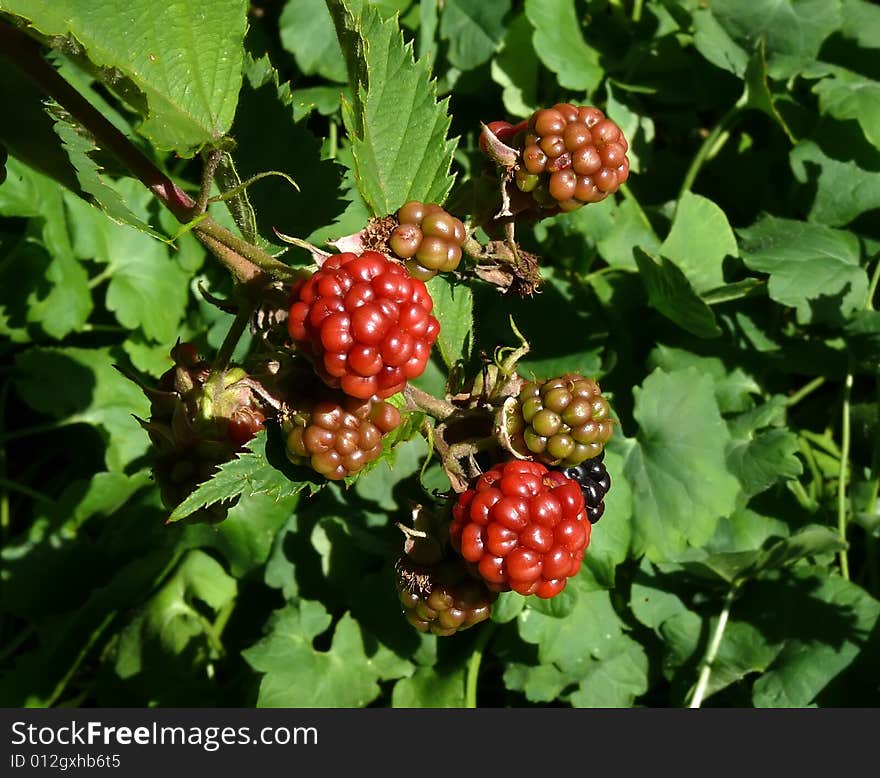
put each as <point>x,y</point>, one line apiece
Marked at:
<point>562,421</point>
<point>428,239</point>
<point>442,598</point>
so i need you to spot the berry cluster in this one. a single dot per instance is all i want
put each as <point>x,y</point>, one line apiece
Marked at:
<point>443,598</point>
<point>338,435</point>
<point>562,421</point>
<point>595,481</point>
<point>568,156</point>
<point>523,527</point>
<point>428,239</point>
<point>199,418</point>
<point>366,324</point>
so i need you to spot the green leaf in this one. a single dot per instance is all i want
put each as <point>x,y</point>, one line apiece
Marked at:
<point>733,389</point>
<point>430,688</point>
<point>848,95</point>
<point>716,45</point>
<point>307,32</point>
<point>515,69</point>
<point>245,537</point>
<point>290,148</point>
<point>474,30</point>
<point>134,262</point>
<point>676,466</point>
<point>824,622</point>
<point>507,607</point>
<point>173,620</point>
<point>699,240</point>
<point>808,542</point>
<point>183,57</point>
<point>635,127</point>
<point>670,293</point>
<point>94,393</point>
<point>762,459</point>
<point>806,262</point>
<point>454,309</point>
<point>846,186</point>
<point>261,469</point>
<point>296,675</point>
<point>560,45</point>
<point>793,30</point>
<point>861,23</point>
<point>41,281</point>
<point>396,126</point>
<point>757,92</point>
<point>79,146</point>
<point>614,682</point>
<point>587,648</point>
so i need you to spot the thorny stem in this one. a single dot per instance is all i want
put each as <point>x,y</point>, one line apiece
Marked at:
<point>842,473</point>
<point>473,668</point>
<point>712,650</point>
<point>25,54</point>
<point>433,406</point>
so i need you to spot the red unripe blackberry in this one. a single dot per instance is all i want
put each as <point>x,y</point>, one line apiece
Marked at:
<point>523,527</point>
<point>337,435</point>
<point>561,421</point>
<point>428,239</point>
<point>442,598</point>
<point>365,322</point>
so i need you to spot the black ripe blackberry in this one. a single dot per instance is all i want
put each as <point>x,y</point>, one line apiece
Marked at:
<point>595,482</point>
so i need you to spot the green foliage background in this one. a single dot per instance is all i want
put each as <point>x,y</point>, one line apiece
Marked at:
<point>725,299</point>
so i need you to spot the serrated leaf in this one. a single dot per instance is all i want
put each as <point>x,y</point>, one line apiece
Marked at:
<point>474,30</point>
<point>716,45</point>
<point>560,45</point>
<point>307,32</point>
<point>676,466</point>
<point>183,56</point>
<point>670,293</point>
<point>94,393</point>
<point>79,146</point>
<point>261,469</point>
<point>454,309</point>
<point>806,262</point>
<point>298,676</point>
<point>396,126</point>
<point>699,240</point>
<point>793,30</point>
<point>515,69</point>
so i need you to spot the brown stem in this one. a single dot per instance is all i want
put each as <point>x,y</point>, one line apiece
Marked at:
<point>212,160</point>
<point>439,409</point>
<point>26,55</point>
